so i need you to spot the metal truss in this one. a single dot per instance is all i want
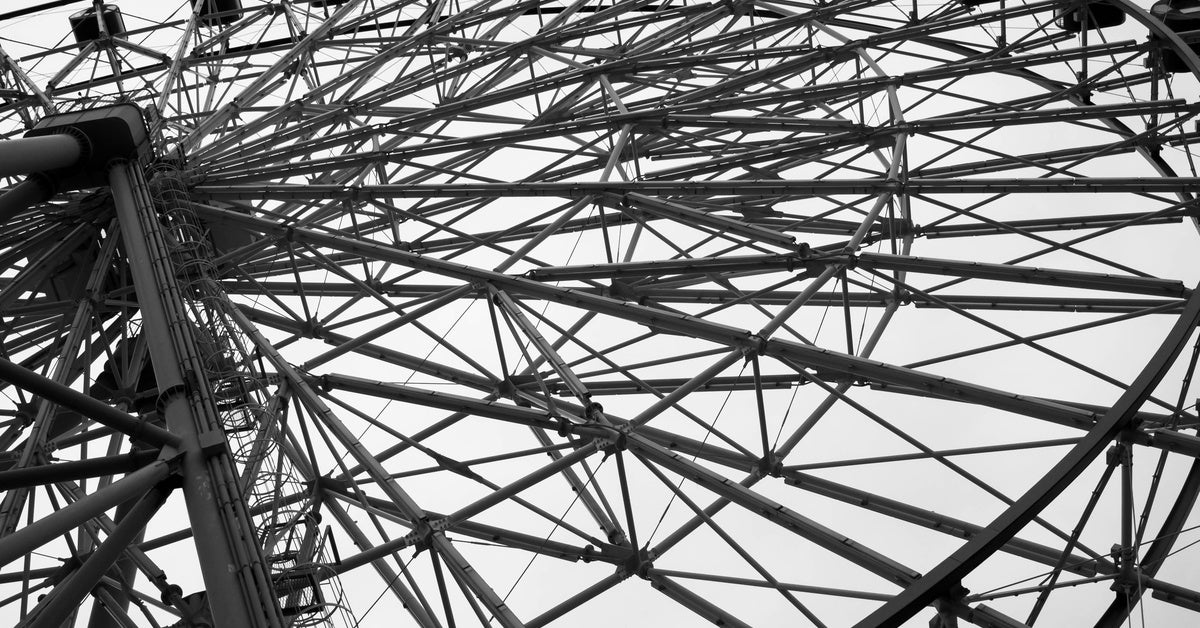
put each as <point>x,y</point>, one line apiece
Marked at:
<point>755,313</point>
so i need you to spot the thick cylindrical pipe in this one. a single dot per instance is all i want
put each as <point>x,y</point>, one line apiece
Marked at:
<point>27,155</point>
<point>90,407</point>
<point>64,471</point>
<point>22,196</point>
<point>72,516</point>
<point>112,605</point>
<point>66,597</point>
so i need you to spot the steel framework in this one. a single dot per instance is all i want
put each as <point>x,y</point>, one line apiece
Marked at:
<point>523,312</point>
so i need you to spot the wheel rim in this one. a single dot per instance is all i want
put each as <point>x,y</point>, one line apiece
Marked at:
<point>886,268</point>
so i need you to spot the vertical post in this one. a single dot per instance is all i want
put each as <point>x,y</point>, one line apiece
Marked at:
<point>235,575</point>
<point>1128,574</point>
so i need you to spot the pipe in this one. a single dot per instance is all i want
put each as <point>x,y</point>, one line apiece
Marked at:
<point>87,406</point>
<point>22,196</point>
<point>66,597</point>
<point>75,470</point>
<point>26,539</point>
<point>27,155</point>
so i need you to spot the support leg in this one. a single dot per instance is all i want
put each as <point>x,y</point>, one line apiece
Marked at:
<point>235,575</point>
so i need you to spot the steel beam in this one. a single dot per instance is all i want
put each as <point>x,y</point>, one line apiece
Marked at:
<point>64,520</point>
<point>509,538</point>
<point>820,535</point>
<point>89,407</point>
<point>774,297</point>
<point>74,470</point>
<point>958,565</point>
<point>446,401</point>
<point>772,188</point>
<point>578,599</point>
<point>412,603</point>
<point>65,599</point>
<point>534,417</point>
<point>852,367</point>
<point>694,602</point>
<point>1023,274</point>
<point>34,189</point>
<point>1130,593</point>
<point>903,511</point>
<point>457,564</point>
<point>29,155</point>
<point>114,601</point>
<point>233,569</point>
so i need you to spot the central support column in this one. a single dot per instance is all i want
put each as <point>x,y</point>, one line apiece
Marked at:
<point>238,583</point>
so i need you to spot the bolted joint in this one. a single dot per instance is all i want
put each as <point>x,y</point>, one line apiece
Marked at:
<point>1121,556</point>
<point>506,388</point>
<point>769,466</point>
<point>616,443</point>
<point>638,563</point>
<point>26,412</point>
<point>757,346</point>
<point>423,532</point>
<point>1119,453</point>
<point>172,595</point>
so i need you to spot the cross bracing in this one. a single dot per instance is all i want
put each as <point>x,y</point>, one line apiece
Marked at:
<point>582,313</point>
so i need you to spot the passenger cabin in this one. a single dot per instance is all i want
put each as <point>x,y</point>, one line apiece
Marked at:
<point>218,12</point>
<point>1090,16</point>
<point>86,27</point>
<point>1180,16</point>
<point>1083,15</point>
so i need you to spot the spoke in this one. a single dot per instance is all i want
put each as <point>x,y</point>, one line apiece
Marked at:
<point>627,306</point>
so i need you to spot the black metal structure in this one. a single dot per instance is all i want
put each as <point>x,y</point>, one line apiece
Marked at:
<point>520,313</point>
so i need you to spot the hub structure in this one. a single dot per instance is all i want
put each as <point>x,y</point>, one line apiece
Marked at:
<point>530,313</point>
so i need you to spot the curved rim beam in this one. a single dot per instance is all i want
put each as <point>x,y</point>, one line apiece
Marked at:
<point>949,573</point>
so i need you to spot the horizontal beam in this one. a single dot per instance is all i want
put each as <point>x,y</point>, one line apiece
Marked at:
<point>509,538</point>
<point>663,268</point>
<point>718,296</point>
<point>804,356</point>
<point>951,570</point>
<point>445,401</point>
<point>1023,274</point>
<point>903,511</point>
<point>775,512</point>
<point>1062,278</point>
<point>61,521</point>
<point>75,470</point>
<point>29,155</point>
<point>532,417</point>
<point>214,190</point>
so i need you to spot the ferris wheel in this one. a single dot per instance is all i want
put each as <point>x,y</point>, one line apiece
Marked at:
<point>589,313</point>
